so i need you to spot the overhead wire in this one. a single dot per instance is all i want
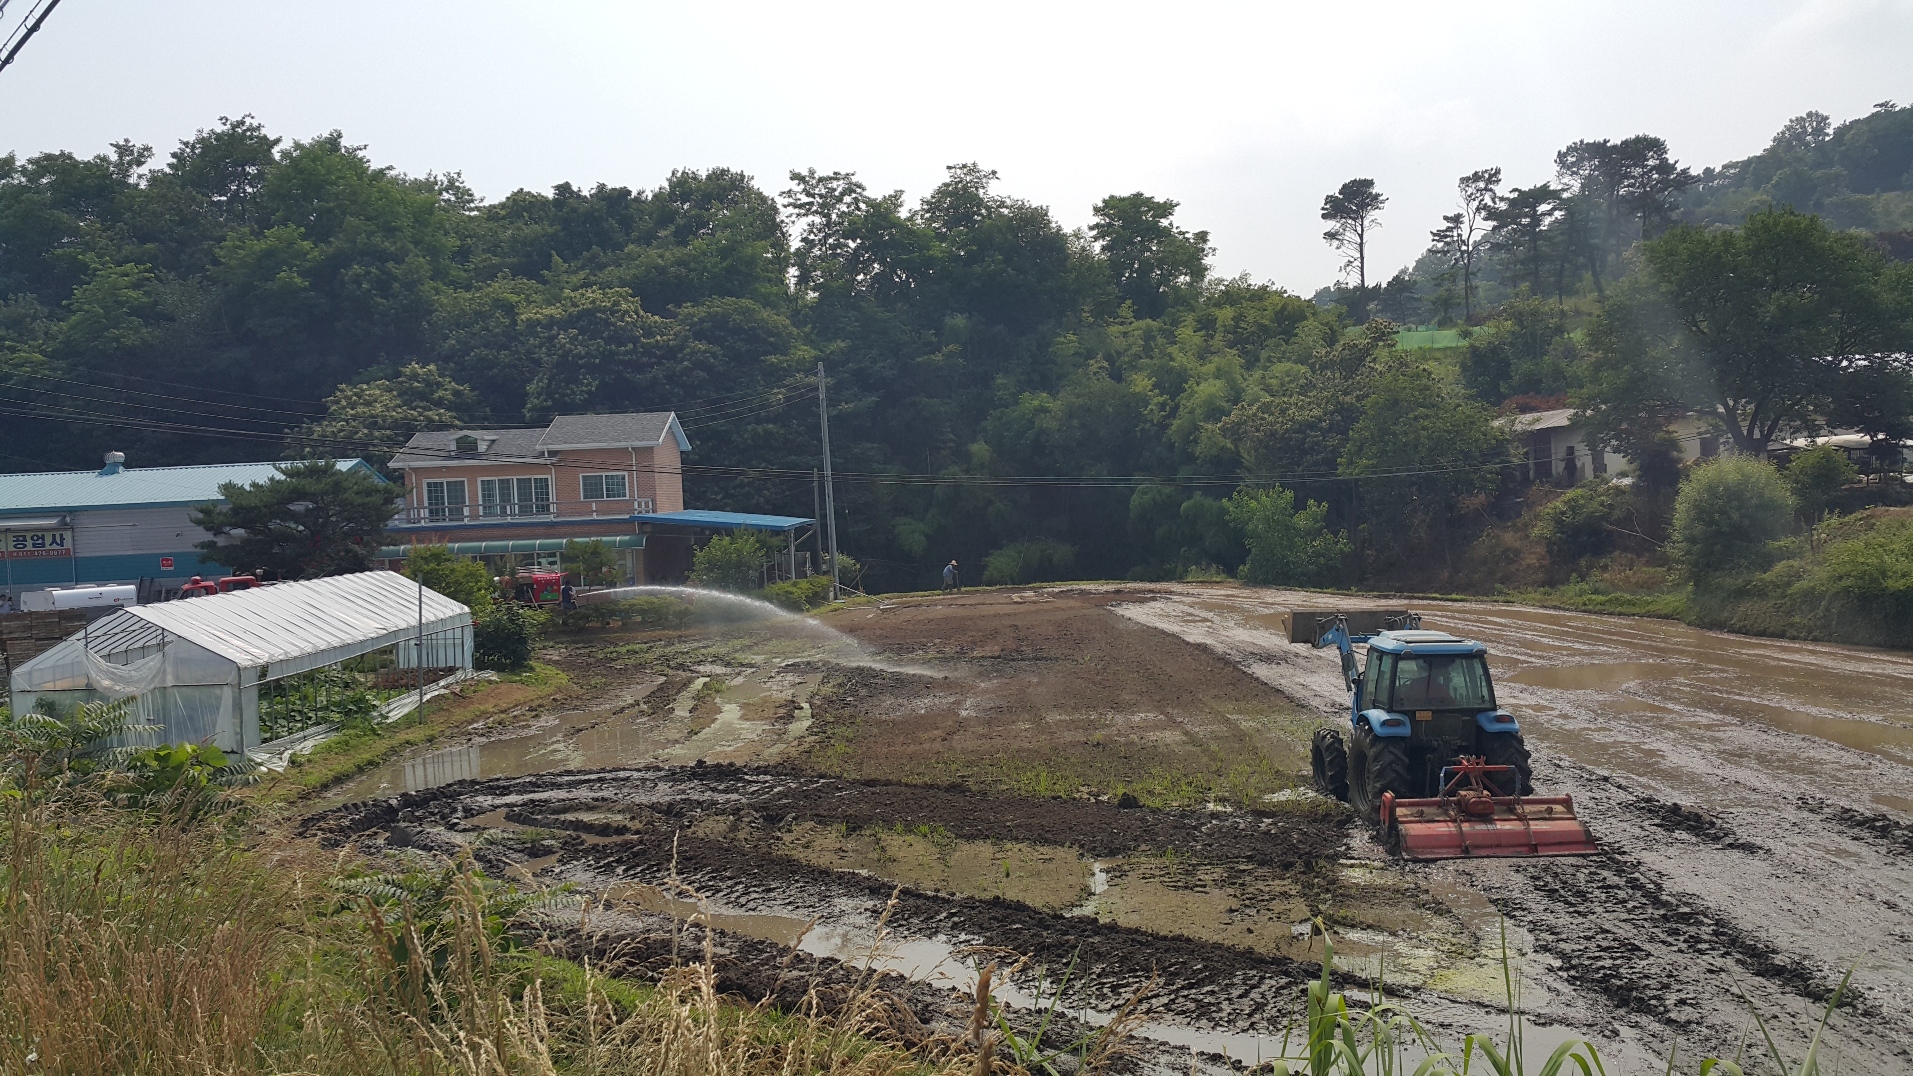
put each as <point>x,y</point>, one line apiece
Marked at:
<point>315,442</point>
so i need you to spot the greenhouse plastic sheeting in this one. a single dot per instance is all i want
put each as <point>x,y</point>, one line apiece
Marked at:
<point>195,665</point>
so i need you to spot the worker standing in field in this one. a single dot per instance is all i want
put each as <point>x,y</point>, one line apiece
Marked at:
<point>950,577</point>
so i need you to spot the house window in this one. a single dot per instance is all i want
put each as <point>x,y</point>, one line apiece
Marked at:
<point>445,500</point>
<point>514,496</point>
<point>604,487</point>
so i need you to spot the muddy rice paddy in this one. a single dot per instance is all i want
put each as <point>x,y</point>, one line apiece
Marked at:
<point>1114,776</point>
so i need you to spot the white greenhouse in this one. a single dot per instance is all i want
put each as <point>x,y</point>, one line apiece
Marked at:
<point>245,669</point>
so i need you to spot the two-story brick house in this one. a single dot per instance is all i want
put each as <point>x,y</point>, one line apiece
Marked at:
<point>513,497</point>
<point>520,493</point>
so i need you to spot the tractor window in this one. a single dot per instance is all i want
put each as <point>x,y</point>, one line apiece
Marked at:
<point>1372,678</point>
<point>1442,682</point>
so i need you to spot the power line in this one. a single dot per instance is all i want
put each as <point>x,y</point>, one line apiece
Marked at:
<point>795,475</point>
<point>31,25</point>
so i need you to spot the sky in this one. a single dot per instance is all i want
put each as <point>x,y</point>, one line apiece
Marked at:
<point>1244,113</point>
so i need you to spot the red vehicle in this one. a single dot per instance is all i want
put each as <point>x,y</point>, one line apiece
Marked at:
<point>539,588</point>
<point>199,587</point>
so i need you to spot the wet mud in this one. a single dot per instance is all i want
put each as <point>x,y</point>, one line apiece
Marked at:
<point>1749,795</point>
<point>1114,775</point>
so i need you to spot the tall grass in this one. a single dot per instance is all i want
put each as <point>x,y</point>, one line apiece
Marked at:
<point>134,948</point>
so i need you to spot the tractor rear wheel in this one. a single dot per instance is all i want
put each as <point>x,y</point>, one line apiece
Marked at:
<point>1328,760</point>
<point>1508,749</point>
<point>1377,764</point>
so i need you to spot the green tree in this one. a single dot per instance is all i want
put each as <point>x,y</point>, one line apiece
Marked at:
<point>1287,546</point>
<point>1460,237</point>
<point>1634,384</point>
<point>1353,211</point>
<point>1521,235</point>
<point>1727,516</point>
<point>590,561</point>
<point>464,581</point>
<point>373,419</point>
<point>314,518</point>
<point>1155,264</point>
<point>733,562</point>
<point>1624,191</point>
<point>1419,448</point>
<point>1777,314</point>
<point>1814,476</point>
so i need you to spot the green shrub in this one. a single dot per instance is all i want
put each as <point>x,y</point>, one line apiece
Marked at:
<point>733,562</point>
<point>464,581</point>
<point>590,562</point>
<point>1580,522</point>
<point>1816,475</point>
<point>1872,571</point>
<point>1727,515</point>
<point>502,636</point>
<point>1287,547</point>
<point>1038,560</point>
<point>799,594</point>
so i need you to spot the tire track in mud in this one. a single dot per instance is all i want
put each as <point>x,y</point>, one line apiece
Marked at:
<point>1772,892</point>
<point>658,838</point>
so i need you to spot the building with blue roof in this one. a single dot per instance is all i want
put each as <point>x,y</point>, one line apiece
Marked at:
<point>118,524</point>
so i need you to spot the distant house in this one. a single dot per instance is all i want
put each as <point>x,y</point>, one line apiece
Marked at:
<point>513,497</point>
<point>1554,448</point>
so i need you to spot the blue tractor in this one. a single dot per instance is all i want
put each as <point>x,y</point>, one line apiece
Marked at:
<point>1428,755</point>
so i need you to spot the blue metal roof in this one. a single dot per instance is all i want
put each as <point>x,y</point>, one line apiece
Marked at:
<point>142,487</point>
<point>725,521</point>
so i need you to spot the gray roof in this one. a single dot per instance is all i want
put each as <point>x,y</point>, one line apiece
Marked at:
<point>599,431</point>
<point>133,487</point>
<point>638,430</point>
<point>1536,421</point>
<point>440,446</point>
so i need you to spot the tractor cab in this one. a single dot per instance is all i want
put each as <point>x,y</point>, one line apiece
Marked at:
<point>1429,755</point>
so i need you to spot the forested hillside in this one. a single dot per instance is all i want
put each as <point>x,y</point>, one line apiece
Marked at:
<point>997,383</point>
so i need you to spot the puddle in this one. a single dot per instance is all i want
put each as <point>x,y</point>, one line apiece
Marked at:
<point>1603,676</point>
<point>784,930</point>
<point>1044,876</point>
<point>752,719</point>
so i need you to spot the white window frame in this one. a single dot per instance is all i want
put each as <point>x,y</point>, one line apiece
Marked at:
<point>446,508</point>
<point>492,505</point>
<point>604,492</point>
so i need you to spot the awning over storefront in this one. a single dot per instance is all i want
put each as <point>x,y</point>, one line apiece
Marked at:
<point>721,521</point>
<point>518,545</point>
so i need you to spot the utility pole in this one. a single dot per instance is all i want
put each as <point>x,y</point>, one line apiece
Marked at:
<point>817,516</point>
<point>830,492</point>
<point>419,718</point>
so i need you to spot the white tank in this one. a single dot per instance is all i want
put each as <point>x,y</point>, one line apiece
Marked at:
<point>80,597</point>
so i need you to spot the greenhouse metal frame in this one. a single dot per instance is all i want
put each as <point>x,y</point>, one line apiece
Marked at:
<point>196,666</point>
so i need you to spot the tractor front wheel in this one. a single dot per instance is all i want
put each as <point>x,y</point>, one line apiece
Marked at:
<point>1508,749</point>
<point>1328,761</point>
<point>1377,764</point>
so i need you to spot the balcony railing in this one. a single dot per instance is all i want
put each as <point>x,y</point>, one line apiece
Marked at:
<point>479,514</point>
